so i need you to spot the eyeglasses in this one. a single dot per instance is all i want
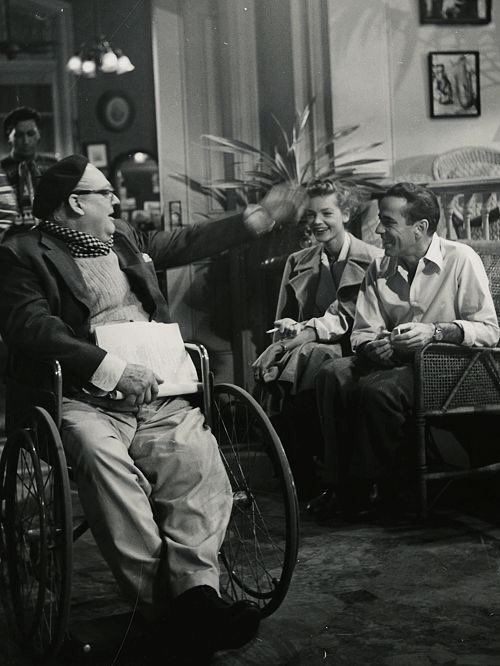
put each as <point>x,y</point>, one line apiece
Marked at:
<point>109,194</point>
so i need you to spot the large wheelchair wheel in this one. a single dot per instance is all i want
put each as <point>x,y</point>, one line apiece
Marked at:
<point>37,531</point>
<point>260,548</point>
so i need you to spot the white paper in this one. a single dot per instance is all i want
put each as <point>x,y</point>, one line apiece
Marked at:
<point>158,347</point>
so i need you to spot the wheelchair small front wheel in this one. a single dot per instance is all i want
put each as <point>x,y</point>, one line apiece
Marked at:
<point>260,548</point>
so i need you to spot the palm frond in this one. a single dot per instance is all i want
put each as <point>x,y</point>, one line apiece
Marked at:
<point>269,168</point>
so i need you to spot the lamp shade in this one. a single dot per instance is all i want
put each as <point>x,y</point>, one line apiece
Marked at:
<point>89,68</point>
<point>109,62</point>
<point>74,64</point>
<point>124,65</point>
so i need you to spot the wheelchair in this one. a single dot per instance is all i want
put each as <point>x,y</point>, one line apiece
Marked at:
<point>37,530</point>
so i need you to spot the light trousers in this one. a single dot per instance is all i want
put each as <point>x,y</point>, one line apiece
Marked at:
<point>155,493</point>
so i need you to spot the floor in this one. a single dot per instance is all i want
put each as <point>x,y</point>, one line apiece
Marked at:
<point>389,592</point>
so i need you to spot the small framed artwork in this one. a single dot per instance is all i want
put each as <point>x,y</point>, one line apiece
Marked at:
<point>115,111</point>
<point>451,12</point>
<point>175,214</point>
<point>97,154</point>
<point>454,84</point>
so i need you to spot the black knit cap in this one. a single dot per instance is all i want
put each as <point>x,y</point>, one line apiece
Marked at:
<point>56,184</point>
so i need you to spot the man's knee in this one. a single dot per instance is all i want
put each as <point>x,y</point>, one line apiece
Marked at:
<point>391,388</point>
<point>336,371</point>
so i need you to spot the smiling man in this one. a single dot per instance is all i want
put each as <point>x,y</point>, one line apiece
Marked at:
<point>149,474</point>
<point>425,288</point>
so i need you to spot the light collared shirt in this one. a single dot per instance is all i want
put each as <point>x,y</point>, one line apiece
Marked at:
<point>334,323</point>
<point>450,285</point>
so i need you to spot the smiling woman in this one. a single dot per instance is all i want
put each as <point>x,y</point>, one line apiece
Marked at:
<point>313,318</point>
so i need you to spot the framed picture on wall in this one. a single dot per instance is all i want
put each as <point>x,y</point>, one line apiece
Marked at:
<point>115,111</point>
<point>449,12</point>
<point>454,84</point>
<point>97,154</point>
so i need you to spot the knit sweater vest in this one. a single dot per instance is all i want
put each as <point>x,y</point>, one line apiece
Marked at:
<point>111,298</point>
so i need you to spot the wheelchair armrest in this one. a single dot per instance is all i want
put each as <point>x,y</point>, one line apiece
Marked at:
<point>199,355</point>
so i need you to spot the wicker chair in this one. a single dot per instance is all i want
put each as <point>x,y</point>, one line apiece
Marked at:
<point>467,162</point>
<point>470,162</point>
<point>452,380</point>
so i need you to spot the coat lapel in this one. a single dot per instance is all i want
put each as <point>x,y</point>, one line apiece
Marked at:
<point>357,262</point>
<point>142,278</point>
<point>58,254</point>
<point>312,283</point>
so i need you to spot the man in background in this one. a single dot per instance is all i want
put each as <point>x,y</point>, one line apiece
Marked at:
<point>23,166</point>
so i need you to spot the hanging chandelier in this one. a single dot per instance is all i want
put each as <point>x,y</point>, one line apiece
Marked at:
<point>99,56</point>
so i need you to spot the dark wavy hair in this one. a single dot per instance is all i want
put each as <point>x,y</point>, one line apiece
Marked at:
<point>422,203</point>
<point>17,115</point>
<point>348,198</point>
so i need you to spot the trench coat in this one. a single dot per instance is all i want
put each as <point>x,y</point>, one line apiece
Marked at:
<point>307,294</point>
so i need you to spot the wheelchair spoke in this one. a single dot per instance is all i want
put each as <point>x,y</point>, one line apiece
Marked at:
<point>260,546</point>
<point>38,533</point>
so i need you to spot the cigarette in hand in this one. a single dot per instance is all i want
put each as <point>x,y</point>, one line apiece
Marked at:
<point>273,330</point>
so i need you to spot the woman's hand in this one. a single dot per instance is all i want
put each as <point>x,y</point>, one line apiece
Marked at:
<point>265,368</point>
<point>288,328</point>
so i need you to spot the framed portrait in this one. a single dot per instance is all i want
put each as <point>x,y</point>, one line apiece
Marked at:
<point>454,84</point>
<point>175,213</point>
<point>116,111</point>
<point>450,12</point>
<point>97,154</point>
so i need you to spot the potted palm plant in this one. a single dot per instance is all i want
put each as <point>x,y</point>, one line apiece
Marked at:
<point>257,171</point>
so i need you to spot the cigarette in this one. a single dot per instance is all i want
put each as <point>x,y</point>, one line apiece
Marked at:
<point>273,330</point>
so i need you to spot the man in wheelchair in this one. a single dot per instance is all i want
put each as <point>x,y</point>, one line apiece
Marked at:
<point>425,289</point>
<point>149,474</point>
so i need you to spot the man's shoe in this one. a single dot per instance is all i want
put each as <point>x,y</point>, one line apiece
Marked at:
<point>326,506</point>
<point>202,617</point>
<point>317,504</point>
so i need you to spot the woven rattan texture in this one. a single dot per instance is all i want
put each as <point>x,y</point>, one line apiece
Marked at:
<point>443,372</point>
<point>467,162</point>
<point>492,265</point>
<point>470,162</point>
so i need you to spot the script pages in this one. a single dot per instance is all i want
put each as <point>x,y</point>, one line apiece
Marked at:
<point>155,345</point>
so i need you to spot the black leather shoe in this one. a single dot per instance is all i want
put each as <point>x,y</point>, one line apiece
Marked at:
<point>317,504</point>
<point>326,506</point>
<point>207,622</point>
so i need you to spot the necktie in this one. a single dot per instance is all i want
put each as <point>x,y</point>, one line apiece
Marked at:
<point>25,191</point>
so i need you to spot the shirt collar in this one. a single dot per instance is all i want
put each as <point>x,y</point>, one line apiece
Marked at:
<point>344,251</point>
<point>433,254</point>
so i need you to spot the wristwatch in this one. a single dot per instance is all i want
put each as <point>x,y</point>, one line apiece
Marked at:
<point>438,334</point>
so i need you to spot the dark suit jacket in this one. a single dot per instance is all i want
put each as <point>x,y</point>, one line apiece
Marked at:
<point>44,304</point>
